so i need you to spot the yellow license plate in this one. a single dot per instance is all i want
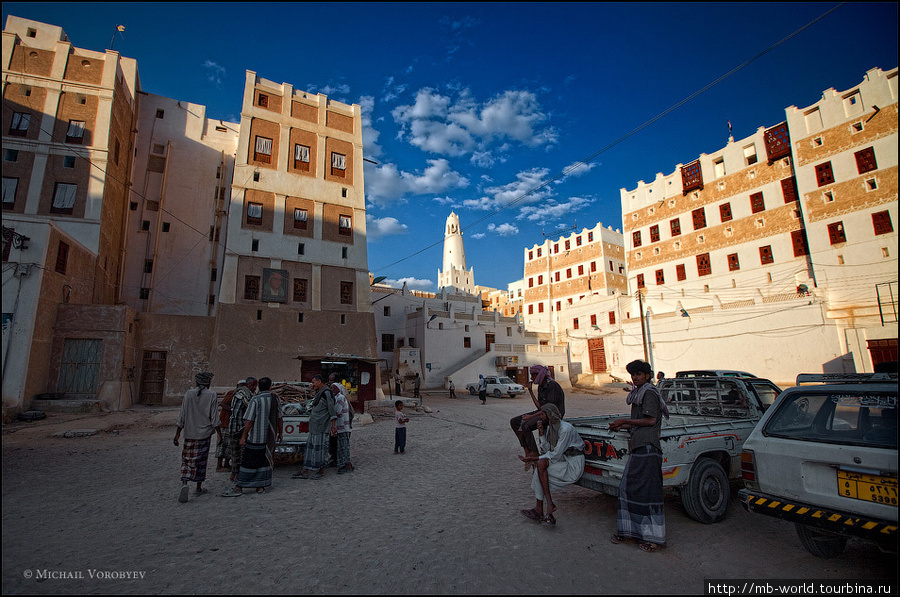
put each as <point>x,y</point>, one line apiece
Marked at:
<point>869,488</point>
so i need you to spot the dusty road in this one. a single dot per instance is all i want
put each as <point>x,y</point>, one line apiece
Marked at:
<point>443,518</point>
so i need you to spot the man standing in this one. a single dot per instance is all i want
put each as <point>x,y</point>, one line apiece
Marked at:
<point>239,403</point>
<point>416,385</point>
<point>342,408</point>
<point>321,420</point>
<point>263,427</point>
<point>199,420</point>
<point>640,513</point>
<point>549,392</point>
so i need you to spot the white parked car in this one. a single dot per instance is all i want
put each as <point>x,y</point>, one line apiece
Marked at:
<point>824,457</point>
<point>497,386</point>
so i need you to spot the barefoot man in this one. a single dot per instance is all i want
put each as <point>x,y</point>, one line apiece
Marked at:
<point>549,392</point>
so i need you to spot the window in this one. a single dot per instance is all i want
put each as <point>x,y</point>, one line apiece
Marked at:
<point>636,238</point>
<point>75,132</point>
<point>765,255</point>
<point>144,294</point>
<point>531,309</point>
<point>251,288</point>
<point>725,212</point>
<point>540,280</point>
<point>530,256</point>
<point>300,218</point>
<point>300,285</point>
<point>32,32</point>
<point>338,164</point>
<point>654,234</point>
<point>530,282</point>
<point>580,270</point>
<point>145,225</point>
<point>640,280</point>
<point>10,185</point>
<point>789,189</point>
<point>556,277</point>
<point>593,266</point>
<point>148,266</point>
<point>757,204</point>
<point>256,177</point>
<point>704,268</point>
<point>166,226</point>
<point>681,272</point>
<point>865,160</point>
<point>577,241</point>
<point>160,113</point>
<point>63,198</point>
<point>346,293</point>
<point>467,342</point>
<point>301,249</point>
<point>555,248</point>
<point>719,167</point>
<point>254,245</point>
<point>540,307</point>
<point>733,263</point>
<point>19,125</point>
<point>593,320</point>
<point>590,237</point>
<point>824,175</point>
<point>575,324</point>
<point>262,101</point>
<point>699,216</point>
<point>345,225</point>
<point>558,305</point>
<point>871,184</point>
<point>387,311</point>
<point>69,161</point>
<point>11,155</point>
<point>344,252</point>
<point>263,150</point>
<point>691,177</point>
<point>254,214</point>
<point>660,277</point>
<point>301,157</point>
<point>836,233</point>
<point>62,258</point>
<point>798,240</point>
<point>750,155</point>
<point>778,142</point>
<point>675,226</point>
<point>882,222</point>
<point>612,317</point>
<point>387,342</point>
<point>568,273</point>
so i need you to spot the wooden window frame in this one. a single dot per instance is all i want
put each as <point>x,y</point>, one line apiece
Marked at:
<point>654,233</point>
<point>346,293</point>
<point>725,212</point>
<point>798,242</point>
<point>704,265</point>
<point>734,263</point>
<point>865,160</point>
<point>640,281</point>
<point>636,239</point>
<point>765,255</point>
<point>824,174</point>
<point>300,290</point>
<point>252,287</point>
<point>699,218</point>
<point>681,272</point>
<point>675,226</point>
<point>301,224</point>
<point>757,203</point>
<point>881,222</point>
<point>252,220</point>
<point>345,230</point>
<point>836,233</point>
<point>62,258</point>
<point>660,277</point>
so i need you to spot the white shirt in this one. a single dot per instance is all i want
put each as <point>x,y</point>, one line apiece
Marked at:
<point>568,438</point>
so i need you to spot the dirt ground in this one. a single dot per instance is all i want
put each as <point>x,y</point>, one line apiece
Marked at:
<point>100,514</point>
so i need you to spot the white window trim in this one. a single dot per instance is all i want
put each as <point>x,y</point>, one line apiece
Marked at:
<point>9,189</point>
<point>301,153</point>
<point>76,129</point>
<point>345,222</point>
<point>338,161</point>
<point>254,210</point>
<point>300,215</point>
<point>263,145</point>
<point>20,121</point>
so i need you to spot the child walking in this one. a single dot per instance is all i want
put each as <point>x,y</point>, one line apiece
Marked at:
<point>400,431</point>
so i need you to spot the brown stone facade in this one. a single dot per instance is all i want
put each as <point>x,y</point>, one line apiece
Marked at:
<point>269,130</point>
<point>339,121</point>
<point>267,100</point>
<point>21,171</point>
<point>56,173</point>
<point>852,195</point>
<point>254,266</point>
<point>32,61</point>
<point>84,69</point>
<point>331,217</point>
<point>303,111</point>
<point>843,137</point>
<point>344,148</point>
<point>267,200</point>
<point>81,107</point>
<point>309,139</point>
<point>16,100</point>
<point>291,226</point>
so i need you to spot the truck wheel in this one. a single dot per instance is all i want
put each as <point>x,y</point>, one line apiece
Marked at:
<point>498,394</point>
<point>706,495</point>
<point>472,391</point>
<point>820,543</point>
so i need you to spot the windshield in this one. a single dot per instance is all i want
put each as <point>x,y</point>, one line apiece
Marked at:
<point>506,380</point>
<point>767,392</point>
<point>849,415</point>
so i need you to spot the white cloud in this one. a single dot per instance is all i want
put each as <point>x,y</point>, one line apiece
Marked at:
<point>380,227</point>
<point>513,114</point>
<point>553,210</point>
<point>385,184</point>
<point>483,159</point>
<point>446,201</point>
<point>504,229</point>
<point>501,196</point>
<point>369,134</point>
<point>414,283</point>
<point>214,72</point>
<point>478,235</point>
<point>577,169</point>
<point>392,91</point>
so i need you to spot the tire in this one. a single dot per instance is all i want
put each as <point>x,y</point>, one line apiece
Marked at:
<point>707,493</point>
<point>498,394</point>
<point>472,391</point>
<point>820,543</point>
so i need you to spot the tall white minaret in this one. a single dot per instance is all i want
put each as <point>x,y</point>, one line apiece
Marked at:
<point>454,272</point>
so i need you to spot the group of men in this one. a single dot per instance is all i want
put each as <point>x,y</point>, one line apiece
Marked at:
<point>254,427</point>
<point>559,461</point>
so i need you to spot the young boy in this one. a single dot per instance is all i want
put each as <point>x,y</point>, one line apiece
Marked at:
<point>400,431</point>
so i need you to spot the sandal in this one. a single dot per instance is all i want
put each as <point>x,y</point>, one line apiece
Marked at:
<point>260,490</point>
<point>647,547</point>
<point>549,519</point>
<point>300,475</point>
<point>232,493</point>
<point>617,538</point>
<point>531,514</point>
<point>200,492</point>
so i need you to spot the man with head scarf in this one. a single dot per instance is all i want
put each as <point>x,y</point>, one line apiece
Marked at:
<point>322,422</point>
<point>549,392</point>
<point>640,514</point>
<point>263,427</point>
<point>561,461</point>
<point>199,419</point>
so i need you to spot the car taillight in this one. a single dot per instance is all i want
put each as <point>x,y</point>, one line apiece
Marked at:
<point>748,469</point>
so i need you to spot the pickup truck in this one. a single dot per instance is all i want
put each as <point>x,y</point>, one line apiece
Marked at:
<point>701,441</point>
<point>825,459</point>
<point>296,398</point>
<point>497,386</point>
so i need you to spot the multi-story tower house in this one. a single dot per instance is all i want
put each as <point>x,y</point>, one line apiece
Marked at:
<point>67,148</point>
<point>295,282</point>
<point>561,271</point>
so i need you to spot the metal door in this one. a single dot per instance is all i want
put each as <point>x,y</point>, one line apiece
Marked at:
<point>79,371</point>
<point>153,377</point>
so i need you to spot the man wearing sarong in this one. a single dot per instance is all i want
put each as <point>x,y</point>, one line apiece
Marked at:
<point>199,418</point>
<point>640,515</point>
<point>342,425</point>
<point>549,392</point>
<point>322,421</point>
<point>561,462</point>
<point>263,427</point>
<point>240,400</point>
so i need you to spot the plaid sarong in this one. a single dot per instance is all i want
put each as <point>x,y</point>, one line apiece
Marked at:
<point>640,513</point>
<point>343,449</point>
<point>193,459</point>
<point>316,454</point>
<point>256,467</point>
<point>234,442</point>
<point>223,446</point>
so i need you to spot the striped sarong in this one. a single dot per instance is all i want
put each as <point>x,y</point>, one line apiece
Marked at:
<point>316,454</point>
<point>640,513</point>
<point>256,467</point>
<point>193,459</point>
<point>343,449</point>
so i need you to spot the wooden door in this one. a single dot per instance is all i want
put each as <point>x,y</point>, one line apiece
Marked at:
<point>598,355</point>
<point>153,377</point>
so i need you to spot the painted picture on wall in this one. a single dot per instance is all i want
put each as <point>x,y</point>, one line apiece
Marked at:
<point>274,290</point>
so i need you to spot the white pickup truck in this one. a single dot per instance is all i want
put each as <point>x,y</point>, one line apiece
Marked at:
<point>295,402</point>
<point>701,441</point>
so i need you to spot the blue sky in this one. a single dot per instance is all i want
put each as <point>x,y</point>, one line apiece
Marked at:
<point>468,106</point>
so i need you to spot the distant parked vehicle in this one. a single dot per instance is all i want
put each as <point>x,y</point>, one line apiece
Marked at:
<point>497,386</point>
<point>713,373</point>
